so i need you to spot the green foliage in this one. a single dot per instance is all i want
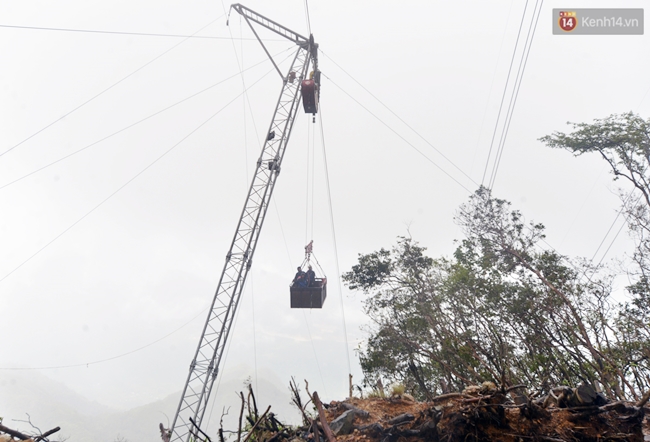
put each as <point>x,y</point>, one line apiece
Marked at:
<point>623,141</point>
<point>371,271</point>
<point>505,309</point>
<point>501,309</point>
<point>397,389</point>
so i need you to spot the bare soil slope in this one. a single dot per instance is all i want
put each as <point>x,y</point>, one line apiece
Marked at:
<point>488,418</point>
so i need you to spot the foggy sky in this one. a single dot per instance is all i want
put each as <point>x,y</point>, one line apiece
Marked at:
<point>139,272</point>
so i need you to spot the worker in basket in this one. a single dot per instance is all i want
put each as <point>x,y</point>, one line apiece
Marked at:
<point>300,280</point>
<point>311,277</point>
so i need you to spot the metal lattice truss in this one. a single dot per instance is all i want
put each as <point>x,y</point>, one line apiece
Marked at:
<point>269,24</point>
<point>205,365</point>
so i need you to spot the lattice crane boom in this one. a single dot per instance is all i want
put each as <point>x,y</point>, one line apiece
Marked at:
<point>204,367</point>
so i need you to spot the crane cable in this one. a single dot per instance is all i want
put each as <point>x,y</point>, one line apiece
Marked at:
<point>336,251</point>
<point>310,183</point>
<point>311,155</point>
<point>307,15</point>
<point>307,175</point>
<point>313,177</point>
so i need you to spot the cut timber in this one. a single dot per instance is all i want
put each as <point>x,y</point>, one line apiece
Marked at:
<point>323,420</point>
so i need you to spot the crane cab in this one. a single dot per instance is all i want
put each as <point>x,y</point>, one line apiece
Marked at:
<point>309,91</point>
<point>309,297</point>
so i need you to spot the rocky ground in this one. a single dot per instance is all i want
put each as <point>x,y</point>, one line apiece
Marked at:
<point>486,418</point>
<point>480,414</point>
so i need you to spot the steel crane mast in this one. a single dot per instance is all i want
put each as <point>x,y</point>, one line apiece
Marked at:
<point>204,367</point>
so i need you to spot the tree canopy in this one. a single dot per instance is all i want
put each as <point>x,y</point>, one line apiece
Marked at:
<point>504,308</point>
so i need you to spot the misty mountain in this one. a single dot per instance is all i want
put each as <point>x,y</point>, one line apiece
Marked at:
<point>50,404</point>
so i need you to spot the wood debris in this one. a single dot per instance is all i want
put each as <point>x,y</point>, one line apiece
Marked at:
<point>476,415</point>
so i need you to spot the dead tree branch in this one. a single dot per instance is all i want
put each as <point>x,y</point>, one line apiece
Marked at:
<point>323,420</point>
<point>13,433</point>
<point>252,430</point>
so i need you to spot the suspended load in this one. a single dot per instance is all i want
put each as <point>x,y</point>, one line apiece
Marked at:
<point>309,91</point>
<point>308,290</point>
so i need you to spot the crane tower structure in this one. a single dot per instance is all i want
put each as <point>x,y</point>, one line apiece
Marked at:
<point>204,367</point>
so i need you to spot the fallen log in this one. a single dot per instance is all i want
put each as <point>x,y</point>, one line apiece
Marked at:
<point>14,433</point>
<point>442,397</point>
<point>357,411</point>
<point>372,428</point>
<point>323,420</point>
<point>401,419</point>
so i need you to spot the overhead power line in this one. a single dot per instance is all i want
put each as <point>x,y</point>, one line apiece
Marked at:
<point>513,99</point>
<point>398,117</point>
<point>112,358</point>
<point>65,157</point>
<point>125,184</point>
<point>514,91</point>
<point>503,95</point>
<point>399,135</point>
<point>105,90</point>
<point>143,34</point>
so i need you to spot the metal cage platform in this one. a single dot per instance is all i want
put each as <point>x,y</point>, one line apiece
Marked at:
<point>309,297</point>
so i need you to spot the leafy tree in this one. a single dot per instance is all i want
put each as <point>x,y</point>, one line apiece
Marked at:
<point>502,309</point>
<point>623,141</point>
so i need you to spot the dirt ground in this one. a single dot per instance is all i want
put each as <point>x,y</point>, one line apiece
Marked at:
<point>489,418</point>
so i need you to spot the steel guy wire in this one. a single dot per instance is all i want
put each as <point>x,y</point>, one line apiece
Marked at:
<point>395,115</point>
<point>399,135</point>
<point>144,34</point>
<point>105,90</point>
<point>99,361</point>
<point>126,183</point>
<point>124,129</point>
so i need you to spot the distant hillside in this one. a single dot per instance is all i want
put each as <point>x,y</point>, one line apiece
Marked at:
<point>51,404</point>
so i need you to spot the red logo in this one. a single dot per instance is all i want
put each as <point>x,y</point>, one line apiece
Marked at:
<point>568,21</point>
